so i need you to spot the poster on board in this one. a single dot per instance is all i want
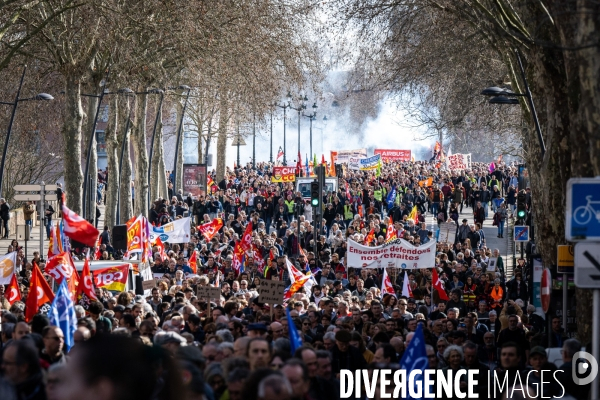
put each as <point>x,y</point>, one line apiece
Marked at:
<point>194,179</point>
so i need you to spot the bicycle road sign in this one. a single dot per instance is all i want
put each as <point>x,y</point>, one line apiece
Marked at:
<point>582,215</point>
<point>521,233</point>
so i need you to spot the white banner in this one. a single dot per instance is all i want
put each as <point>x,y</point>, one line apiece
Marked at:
<point>354,163</point>
<point>7,267</point>
<point>397,254</point>
<point>459,162</point>
<point>177,231</point>
<point>344,155</point>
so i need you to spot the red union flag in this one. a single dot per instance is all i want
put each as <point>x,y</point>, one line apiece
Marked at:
<point>246,241</point>
<point>210,229</point>
<point>113,278</point>
<point>13,291</point>
<point>386,284</point>
<point>86,286</point>
<point>394,155</point>
<point>60,267</point>
<point>78,228</point>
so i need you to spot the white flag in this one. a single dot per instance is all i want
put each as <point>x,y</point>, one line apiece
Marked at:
<point>406,291</point>
<point>8,263</point>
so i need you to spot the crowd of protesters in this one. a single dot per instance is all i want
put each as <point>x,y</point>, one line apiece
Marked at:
<point>173,344</point>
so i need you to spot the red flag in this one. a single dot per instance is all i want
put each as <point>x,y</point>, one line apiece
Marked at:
<point>98,253</point>
<point>210,229</point>
<point>390,234</point>
<point>14,294</point>
<point>386,284</point>
<point>238,255</point>
<point>73,284</point>
<point>246,241</point>
<point>39,293</point>
<point>161,248</point>
<point>437,284</point>
<point>194,262</point>
<point>86,285</point>
<point>60,266</point>
<point>78,228</point>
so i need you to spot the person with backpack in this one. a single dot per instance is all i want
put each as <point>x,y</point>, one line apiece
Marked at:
<point>499,218</point>
<point>437,197</point>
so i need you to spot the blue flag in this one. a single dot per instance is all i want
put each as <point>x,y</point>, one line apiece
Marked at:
<point>391,197</point>
<point>415,358</point>
<point>62,314</point>
<point>307,167</point>
<point>295,339</point>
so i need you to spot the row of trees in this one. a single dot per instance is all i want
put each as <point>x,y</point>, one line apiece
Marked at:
<point>238,57</point>
<point>443,53</point>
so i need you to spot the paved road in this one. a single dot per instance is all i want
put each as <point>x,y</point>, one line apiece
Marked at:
<point>505,245</point>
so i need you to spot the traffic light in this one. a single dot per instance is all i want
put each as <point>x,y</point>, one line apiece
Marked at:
<point>315,196</point>
<point>521,205</point>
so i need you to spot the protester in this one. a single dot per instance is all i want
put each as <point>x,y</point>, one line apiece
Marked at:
<point>176,343</point>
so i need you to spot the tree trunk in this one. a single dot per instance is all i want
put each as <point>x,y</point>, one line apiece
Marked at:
<point>93,169</point>
<point>141,157</point>
<point>208,137</point>
<point>72,135</point>
<point>112,153</point>
<point>125,198</point>
<point>159,181</point>
<point>222,138</point>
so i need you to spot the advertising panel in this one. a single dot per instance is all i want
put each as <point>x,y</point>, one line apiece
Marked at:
<point>194,179</point>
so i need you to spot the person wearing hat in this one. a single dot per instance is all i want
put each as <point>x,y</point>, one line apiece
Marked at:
<point>171,341</point>
<point>257,330</point>
<point>538,360</point>
<point>345,356</point>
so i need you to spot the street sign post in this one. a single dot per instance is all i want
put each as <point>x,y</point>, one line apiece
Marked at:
<point>587,265</point>
<point>546,286</point>
<point>587,276</point>
<point>582,222</point>
<point>521,233</point>
<point>40,194</point>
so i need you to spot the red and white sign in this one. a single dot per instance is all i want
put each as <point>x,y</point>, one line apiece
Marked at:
<point>393,155</point>
<point>459,161</point>
<point>546,289</point>
<point>396,254</point>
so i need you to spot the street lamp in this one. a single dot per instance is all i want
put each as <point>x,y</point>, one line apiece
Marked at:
<point>271,153</point>
<point>285,107</point>
<point>301,107</point>
<point>311,118</point>
<point>158,115</point>
<point>505,96</point>
<point>41,96</point>
<point>324,126</point>
<point>188,89</point>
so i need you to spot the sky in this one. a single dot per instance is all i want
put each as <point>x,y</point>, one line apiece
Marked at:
<point>383,132</point>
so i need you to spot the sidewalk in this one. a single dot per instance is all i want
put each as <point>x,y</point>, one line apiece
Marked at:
<point>34,243</point>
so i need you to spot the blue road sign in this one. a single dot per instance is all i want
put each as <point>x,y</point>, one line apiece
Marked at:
<point>521,234</point>
<point>582,219</point>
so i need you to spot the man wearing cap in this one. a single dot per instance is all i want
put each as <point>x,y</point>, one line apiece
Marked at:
<point>257,330</point>
<point>170,341</point>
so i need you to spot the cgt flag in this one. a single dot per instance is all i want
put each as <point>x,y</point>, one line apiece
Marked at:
<point>210,229</point>
<point>39,293</point>
<point>62,314</point>
<point>113,278</point>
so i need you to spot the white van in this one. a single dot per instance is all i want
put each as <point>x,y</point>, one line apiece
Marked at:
<point>303,186</point>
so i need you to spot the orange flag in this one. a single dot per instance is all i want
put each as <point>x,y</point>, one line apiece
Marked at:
<point>370,237</point>
<point>39,293</point>
<point>193,262</point>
